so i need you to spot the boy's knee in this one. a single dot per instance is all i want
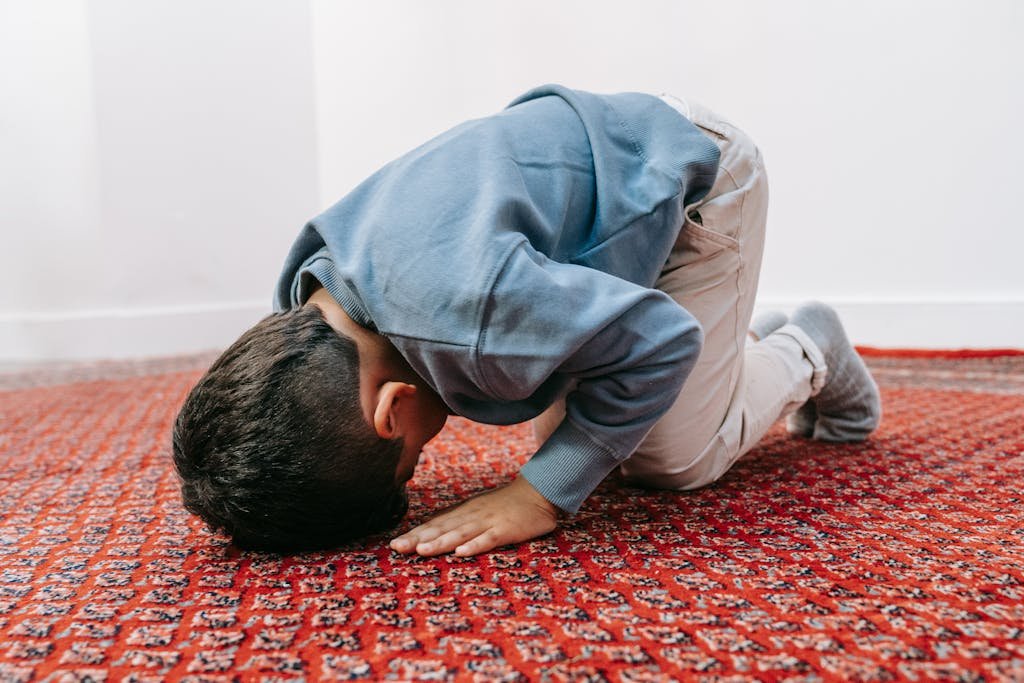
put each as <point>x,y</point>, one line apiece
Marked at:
<point>680,473</point>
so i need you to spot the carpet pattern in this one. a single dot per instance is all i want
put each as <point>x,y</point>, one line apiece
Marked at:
<point>901,558</point>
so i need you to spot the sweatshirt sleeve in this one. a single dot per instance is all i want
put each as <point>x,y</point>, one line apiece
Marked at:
<point>629,348</point>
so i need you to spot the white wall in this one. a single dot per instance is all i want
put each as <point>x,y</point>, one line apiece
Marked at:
<point>164,157</point>
<point>891,130</point>
<point>157,158</point>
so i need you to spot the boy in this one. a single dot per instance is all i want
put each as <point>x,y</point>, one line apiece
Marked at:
<point>573,260</point>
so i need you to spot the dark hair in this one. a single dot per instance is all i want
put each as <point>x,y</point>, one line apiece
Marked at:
<point>271,445</point>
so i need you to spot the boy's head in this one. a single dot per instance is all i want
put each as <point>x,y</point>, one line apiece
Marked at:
<point>298,437</point>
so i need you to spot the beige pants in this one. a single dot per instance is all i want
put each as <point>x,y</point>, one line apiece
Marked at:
<point>736,390</point>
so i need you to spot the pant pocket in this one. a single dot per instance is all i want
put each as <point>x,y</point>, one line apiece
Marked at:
<point>696,234</point>
<point>697,243</point>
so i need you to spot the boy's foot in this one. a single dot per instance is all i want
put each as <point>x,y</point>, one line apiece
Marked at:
<point>848,406</point>
<point>800,422</point>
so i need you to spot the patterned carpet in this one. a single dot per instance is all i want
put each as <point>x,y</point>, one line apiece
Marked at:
<point>898,559</point>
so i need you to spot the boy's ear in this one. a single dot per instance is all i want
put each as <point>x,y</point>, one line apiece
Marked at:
<point>394,403</point>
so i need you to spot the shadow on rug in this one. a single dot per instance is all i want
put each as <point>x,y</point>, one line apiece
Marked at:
<point>898,558</point>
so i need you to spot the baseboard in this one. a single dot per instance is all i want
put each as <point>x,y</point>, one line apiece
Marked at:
<point>140,333</point>
<point>125,333</point>
<point>932,323</point>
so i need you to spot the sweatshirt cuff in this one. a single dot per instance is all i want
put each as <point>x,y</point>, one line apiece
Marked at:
<point>568,467</point>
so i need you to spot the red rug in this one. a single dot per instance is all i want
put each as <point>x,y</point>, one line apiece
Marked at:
<point>900,558</point>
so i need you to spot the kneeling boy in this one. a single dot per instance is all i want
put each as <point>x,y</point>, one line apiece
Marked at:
<point>587,261</point>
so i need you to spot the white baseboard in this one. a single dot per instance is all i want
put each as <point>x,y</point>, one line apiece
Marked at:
<point>138,333</point>
<point>980,323</point>
<point>125,333</point>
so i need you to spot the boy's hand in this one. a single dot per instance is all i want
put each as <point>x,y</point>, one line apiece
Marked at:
<point>510,514</point>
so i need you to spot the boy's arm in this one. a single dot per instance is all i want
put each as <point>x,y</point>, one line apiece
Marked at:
<point>629,348</point>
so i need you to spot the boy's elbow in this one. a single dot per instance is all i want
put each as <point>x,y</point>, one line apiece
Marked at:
<point>685,349</point>
<point>689,340</point>
<point>696,334</point>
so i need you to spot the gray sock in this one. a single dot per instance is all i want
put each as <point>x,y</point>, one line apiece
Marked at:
<point>848,406</point>
<point>766,323</point>
<point>801,422</point>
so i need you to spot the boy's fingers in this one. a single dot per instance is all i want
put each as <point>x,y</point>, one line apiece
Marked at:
<point>427,532</point>
<point>408,541</point>
<point>403,544</point>
<point>488,540</point>
<point>447,541</point>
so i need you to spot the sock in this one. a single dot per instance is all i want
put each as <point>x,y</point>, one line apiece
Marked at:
<point>848,406</point>
<point>766,323</point>
<point>801,422</point>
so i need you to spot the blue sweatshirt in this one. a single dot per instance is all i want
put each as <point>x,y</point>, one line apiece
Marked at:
<point>513,257</point>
